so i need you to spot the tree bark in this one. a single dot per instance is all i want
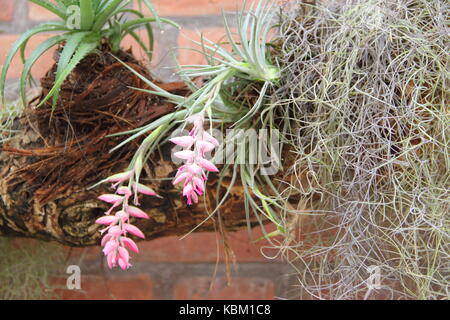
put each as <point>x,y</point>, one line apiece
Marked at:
<point>70,217</point>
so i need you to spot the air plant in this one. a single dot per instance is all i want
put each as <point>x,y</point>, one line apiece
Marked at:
<point>248,68</point>
<point>83,25</point>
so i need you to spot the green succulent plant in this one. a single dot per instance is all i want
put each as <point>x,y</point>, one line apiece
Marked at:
<point>82,27</point>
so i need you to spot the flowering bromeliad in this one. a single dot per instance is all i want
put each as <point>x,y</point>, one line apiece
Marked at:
<point>195,146</point>
<point>116,241</point>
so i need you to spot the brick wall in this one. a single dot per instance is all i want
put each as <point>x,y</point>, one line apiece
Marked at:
<point>167,268</point>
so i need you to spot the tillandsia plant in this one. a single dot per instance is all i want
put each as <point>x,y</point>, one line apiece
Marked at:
<point>83,25</point>
<point>247,68</point>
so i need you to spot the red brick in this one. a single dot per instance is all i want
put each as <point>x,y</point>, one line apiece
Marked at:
<point>38,13</point>
<point>203,288</point>
<point>192,7</point>
<point>195,248</point>
<point>42,65</point>
<point>205,247</point>
<point>128,287</point>
<point>129,42</point>
<point>7,11</point>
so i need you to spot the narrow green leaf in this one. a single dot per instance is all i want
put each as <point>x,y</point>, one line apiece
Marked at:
<point>105,14</point>
<point>22,42</point>
<point>149,30</point>
<point>150,5</point>
<point>72,43</point>
<point>141,21</point>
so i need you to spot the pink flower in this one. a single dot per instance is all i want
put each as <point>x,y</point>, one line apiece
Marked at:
<point>192,173</point>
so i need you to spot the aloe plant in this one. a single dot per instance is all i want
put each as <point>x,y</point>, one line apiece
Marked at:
<point>82,27</point>
<point>247,67</point>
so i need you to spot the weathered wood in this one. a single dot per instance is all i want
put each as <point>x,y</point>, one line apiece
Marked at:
<point>69,219</point>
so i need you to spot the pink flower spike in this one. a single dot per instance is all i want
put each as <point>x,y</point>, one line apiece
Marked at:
<point>125,191</point>
<point>110,198</point>
<point>107,220</point>
<point>184,155</point>
<point>193,172</point>
<point>185,142</point>
<point>207,165</point>
<point>136,212</point>
<point>130,244</point>
<point>134,230</point>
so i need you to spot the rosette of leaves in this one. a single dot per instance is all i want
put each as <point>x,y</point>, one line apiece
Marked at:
<point>82,27</point>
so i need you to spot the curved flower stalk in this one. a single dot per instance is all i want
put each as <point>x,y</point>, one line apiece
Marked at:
<point>196,145</point>
<point>115,242</point>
